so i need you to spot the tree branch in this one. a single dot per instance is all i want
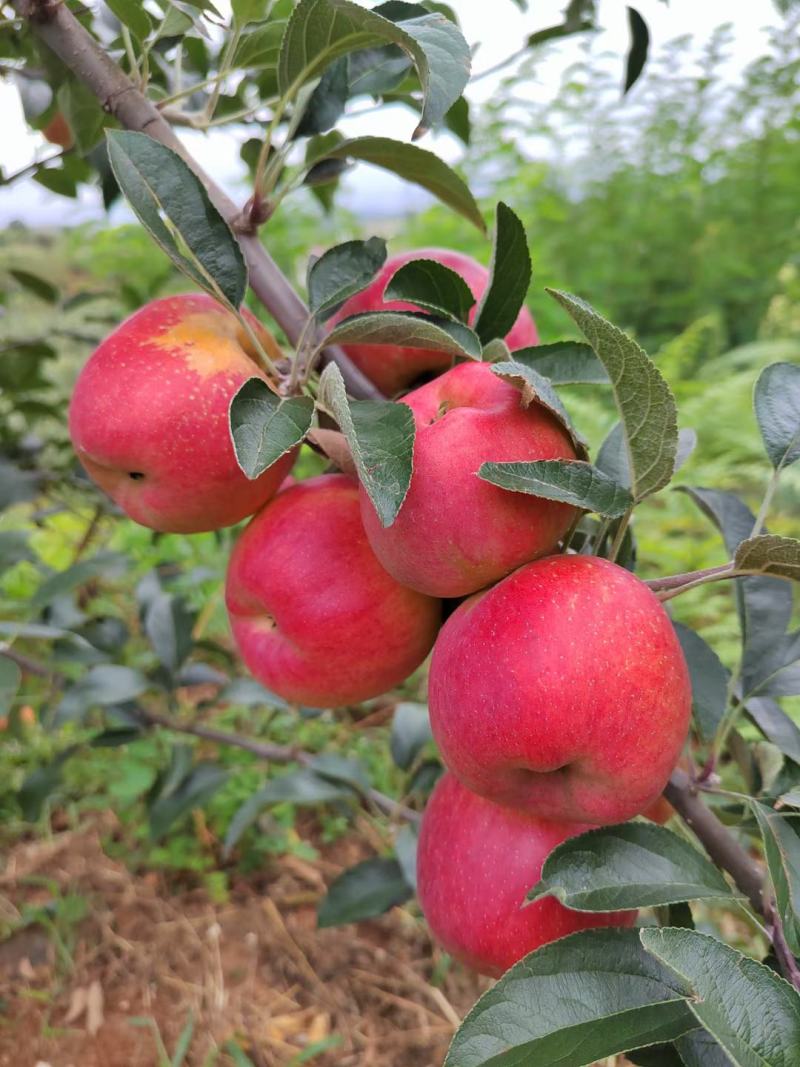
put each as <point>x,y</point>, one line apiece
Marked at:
<point>57,27</point>
<point>718,841</point>
<point>270,752</point>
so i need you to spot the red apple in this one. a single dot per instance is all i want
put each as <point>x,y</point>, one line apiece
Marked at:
<point>149,417</point>
<point>315,616</point>
<point>475,864</point>
<point>456,533</point>
<point>562,691</point>
<point>395,367</point>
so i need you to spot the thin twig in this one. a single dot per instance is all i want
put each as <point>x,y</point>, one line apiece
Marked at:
<point>270,752</point>
<point>63,34</point>
<point>785,956</point>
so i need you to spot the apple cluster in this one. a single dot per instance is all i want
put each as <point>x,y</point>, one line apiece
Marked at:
<point>559,696</point>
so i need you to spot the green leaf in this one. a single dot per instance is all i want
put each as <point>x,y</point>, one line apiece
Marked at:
<point>411,163</point>
<point>633,865</point>
<point>410,329</point>
<point>327,102</point>
<point>640,44</point>
<point>245,11</point>
<point>565,363</point>
<point>729,514</point>
<point>411,731</point>
<point>198,786</point>
<point>265,426</point>
<point>83,113</point>
<point>132,14</point>
<point>687,443</point>
<point>35,284</point>
<point>764,603</point>
<point>105,685</point>
<point>377,70</point>
<point>340,769</point>
<point>183,1042</point>
<point>366,890</point>
<point>10,681</point>
<point>709,681</point>
<point>536,388</point>
<point>655,1056</point>
<point>172,204</point>
<point>101,565</point>
<point>509,278</point>
<point>432,286</point>
<point>303,787</point>
<point>260,47</point>
<point>777,404</point>
<point>40,783</point>
<point>321,30</point>
<point>777,672</point>
<point>168,624</point>
<point>570,481</point>
<point>16,484</point>
<point>769,554</point>
<point>341,272</point>
<point>577,1000</point>
<point>458,121</point>
<point>381,440</point>
<point>405,846</point>
<point>174,24</point>
<point>781,834</point>
<point>752,1013</point>
<point>699,1049</point>
<point>644,401</point>
<point>249,694</point>
<point>775,724</point>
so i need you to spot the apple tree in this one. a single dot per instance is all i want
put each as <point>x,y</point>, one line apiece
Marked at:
<point>575,719</point>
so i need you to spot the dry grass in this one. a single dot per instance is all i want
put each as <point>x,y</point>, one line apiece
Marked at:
<point>255,970</point>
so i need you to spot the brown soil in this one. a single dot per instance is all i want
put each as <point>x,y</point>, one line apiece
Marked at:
<point>255,970</point>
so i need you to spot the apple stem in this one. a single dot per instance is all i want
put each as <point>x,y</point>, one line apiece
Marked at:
<point>63,34</point>
<point>673,584</point>
<point>619,536</point>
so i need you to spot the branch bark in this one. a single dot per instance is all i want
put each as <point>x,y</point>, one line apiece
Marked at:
<point>718,841</point>
<point>56,26</point>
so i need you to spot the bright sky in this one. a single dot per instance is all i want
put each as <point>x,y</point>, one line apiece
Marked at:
<point>497,27</point>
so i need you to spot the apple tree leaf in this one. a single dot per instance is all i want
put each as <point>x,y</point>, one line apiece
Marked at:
<point>381,439</point>
<point>645,403</point>
<point>265,426</point>
<point>569,481</point>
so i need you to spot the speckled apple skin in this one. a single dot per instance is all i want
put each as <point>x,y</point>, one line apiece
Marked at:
<point>476,862</point>
<point>395,367</point>
<point>315,616</point>
<point>153,400</point>
<point>456,533</point>
<point>562,691</point>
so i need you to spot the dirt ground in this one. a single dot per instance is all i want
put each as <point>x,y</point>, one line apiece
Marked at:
<point>255,970</point>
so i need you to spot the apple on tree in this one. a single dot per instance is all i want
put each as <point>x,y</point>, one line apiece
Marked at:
<point>315,616</point>
<point>476,862</point>
<point>149,416</point>
<point>456,533</point>
<point>562,691</point>
<point>395,367</point>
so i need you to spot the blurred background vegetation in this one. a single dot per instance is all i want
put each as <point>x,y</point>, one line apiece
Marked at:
<point>675,212</point>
